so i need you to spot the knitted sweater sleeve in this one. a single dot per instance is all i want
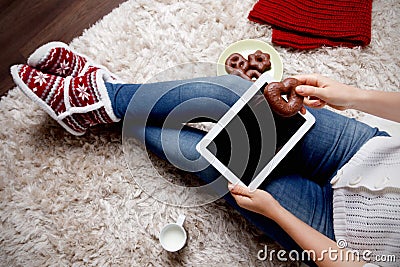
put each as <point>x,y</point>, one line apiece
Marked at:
<point>366,201</point>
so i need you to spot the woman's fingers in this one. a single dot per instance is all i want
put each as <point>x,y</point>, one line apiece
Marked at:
<point>310,79</point>
<point>314,103</point>
<point>238,190</point>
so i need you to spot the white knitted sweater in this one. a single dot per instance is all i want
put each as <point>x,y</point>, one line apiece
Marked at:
<point>366,201</point>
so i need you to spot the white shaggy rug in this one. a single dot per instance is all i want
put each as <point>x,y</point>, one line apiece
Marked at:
<point>71,201</point>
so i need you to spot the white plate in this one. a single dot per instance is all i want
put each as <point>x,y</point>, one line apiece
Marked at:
<point>249,46</point>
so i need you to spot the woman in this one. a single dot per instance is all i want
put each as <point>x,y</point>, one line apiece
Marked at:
<point>376,233</point>
<point>79,94</point>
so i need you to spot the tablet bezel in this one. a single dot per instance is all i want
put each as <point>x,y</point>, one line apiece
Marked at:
<point>228,116</point>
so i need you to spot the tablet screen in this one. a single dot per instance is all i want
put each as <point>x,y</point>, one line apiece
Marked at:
<point>252,138</point>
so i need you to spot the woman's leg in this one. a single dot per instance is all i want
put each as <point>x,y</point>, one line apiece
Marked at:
<point>153,102</point>
<point>155,114</point>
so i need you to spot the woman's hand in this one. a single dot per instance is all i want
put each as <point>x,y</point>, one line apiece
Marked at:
<point>304,235</point>
<point>319,90</point>
<point>258,201</point>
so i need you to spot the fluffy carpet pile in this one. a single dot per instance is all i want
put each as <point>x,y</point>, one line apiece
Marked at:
<point>71,201</point>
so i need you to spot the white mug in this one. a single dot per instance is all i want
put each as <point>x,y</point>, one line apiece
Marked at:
<point>173,235</point>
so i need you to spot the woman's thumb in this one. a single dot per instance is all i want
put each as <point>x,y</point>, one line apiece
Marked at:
<point>237,189</point>
<point>307,90</point>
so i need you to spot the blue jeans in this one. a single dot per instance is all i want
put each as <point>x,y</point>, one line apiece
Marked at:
<point>301,182</point>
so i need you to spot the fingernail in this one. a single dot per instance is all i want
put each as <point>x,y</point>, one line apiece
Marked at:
<point>299,89</point>
<point>230,186</point>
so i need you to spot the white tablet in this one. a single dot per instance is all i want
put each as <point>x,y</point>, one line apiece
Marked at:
<point>249,141</point>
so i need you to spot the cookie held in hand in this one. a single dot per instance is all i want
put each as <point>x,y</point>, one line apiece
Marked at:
<point>274,91</point>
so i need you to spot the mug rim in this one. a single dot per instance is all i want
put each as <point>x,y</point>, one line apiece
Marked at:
<point>168,226</point>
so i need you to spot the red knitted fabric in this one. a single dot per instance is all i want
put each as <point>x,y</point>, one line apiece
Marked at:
<point>307,24</point>
<point>59,59</point>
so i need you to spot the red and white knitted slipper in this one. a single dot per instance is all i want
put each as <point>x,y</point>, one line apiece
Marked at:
<point>76,103</point>
<point>58,58</point>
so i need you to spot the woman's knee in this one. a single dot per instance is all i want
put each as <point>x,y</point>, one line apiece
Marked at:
<point>232,82</point>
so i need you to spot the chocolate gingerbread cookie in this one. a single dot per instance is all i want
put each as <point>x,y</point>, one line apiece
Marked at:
<point>273,93</point>
<point>251,69</point>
